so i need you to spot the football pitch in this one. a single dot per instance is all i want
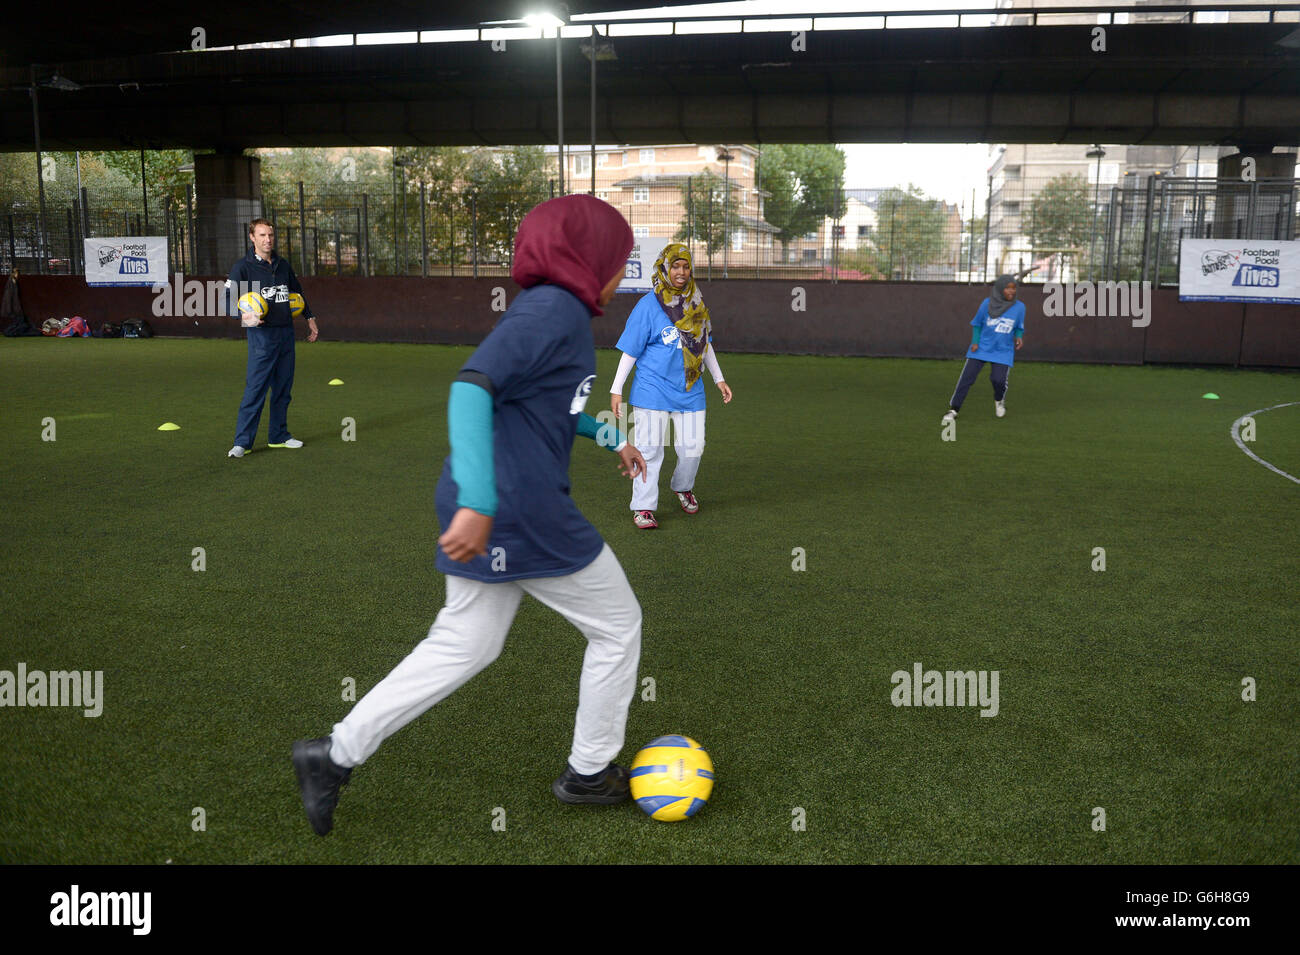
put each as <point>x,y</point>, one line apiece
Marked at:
<point>1144,713</point>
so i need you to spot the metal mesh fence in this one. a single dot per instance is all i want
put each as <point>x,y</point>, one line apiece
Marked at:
<point>1051,230</point>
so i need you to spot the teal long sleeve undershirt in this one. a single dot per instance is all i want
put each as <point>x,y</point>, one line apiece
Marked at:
<point>469,428</point>
<point>606,435</point>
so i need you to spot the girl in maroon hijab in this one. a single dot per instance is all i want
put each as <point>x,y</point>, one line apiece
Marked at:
<point>510,526</point>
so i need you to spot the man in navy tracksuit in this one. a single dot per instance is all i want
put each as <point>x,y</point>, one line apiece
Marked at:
<point>270,338</point>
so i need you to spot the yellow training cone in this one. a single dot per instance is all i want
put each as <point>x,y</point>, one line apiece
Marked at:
<point>336,381</point>
<point>169,426</point>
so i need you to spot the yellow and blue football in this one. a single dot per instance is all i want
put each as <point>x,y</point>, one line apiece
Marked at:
<point>671,778</point>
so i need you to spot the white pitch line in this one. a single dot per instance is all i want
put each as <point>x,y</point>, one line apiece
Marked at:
<point>1236,436</point>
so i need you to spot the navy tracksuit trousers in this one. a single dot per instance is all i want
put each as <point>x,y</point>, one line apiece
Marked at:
<point>270,366</point>
<point>970,371</point>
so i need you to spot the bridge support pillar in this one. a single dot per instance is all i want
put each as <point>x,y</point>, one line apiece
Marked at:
<point>228,192</point>
<point>1249,206</point>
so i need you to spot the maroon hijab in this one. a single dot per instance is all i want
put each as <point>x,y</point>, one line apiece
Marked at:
<point>576,242</point>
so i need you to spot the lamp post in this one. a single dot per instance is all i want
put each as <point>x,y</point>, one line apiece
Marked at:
<point>55,82</point>
<point>555,15</point>
<point>725,158</point>
<point>402,164</point>
<point>1095,152</point>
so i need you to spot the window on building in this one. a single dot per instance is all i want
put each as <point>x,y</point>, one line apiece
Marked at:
<point>737,241</point>
<point>582,164</point>
<point>811,237</point>
<point>1011,208</point>
<point>839,232</point>
<point>1013,173</point>
<point>602,160</point>
<point>648,155</point>
<point>810,255</point>
<point>864,231</point>
<point>603,194</point>
<point>641,231</point>
<point>641,194</point>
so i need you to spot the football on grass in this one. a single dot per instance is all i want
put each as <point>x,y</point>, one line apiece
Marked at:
<point>672,778</point>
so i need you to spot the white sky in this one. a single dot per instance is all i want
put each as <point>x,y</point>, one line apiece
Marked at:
<point>944,171</point>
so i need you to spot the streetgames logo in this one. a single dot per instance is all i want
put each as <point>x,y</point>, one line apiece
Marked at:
<point>580,395</point>
<point>1216,261</point>
<point>1260,271</point>
<point>132,257</point>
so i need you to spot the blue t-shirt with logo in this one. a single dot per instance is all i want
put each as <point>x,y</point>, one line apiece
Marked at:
<point>541,360</point>
<point>997,335</point>
<point>654,341</point>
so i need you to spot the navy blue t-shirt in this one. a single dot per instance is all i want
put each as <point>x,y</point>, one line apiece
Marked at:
<point>541,360</point>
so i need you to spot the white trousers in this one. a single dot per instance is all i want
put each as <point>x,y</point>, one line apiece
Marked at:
<point>650,436</point>
<point>470,632</point>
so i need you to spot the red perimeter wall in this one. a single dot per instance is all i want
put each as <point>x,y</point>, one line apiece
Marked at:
<point>903,319</point>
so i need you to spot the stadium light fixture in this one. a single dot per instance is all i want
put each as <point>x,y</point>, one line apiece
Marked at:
<point>548,18</point>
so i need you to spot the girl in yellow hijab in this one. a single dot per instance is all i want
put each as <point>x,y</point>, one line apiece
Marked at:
<point>668,339</point>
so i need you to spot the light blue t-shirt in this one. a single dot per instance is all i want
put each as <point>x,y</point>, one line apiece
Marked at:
<point>997,335</point>
<point>654,341</point>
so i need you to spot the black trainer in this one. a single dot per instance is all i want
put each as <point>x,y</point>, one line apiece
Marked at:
<point>319,779</point>
<point>608,788</point>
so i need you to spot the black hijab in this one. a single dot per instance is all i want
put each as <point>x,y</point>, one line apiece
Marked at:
<point>998,304</point>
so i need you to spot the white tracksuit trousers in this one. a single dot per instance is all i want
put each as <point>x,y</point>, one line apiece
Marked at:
<point>650,435</point>
<point>470,632</point>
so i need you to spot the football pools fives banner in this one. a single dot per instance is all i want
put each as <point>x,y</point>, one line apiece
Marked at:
<point>127,260</point>
<point>1239,270</point>
<point>638,275</point>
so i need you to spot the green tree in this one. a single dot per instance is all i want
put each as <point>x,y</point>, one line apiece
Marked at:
<point>504,185</point>
<point>334,181</point>
<point>164,182</point>
<point>801,182</point>
<point>972,244</point>
<point>708,216</point>
<point>1060,216</point>
<point>909,231</point>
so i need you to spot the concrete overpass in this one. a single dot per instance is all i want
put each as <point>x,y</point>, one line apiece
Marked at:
<point>1161,83</point>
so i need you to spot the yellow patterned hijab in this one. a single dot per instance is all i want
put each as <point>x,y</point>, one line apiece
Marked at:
<point>685,308</point>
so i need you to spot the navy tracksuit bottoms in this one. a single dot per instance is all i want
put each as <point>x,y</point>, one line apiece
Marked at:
<point>970,371</point>
<point>270,367</point>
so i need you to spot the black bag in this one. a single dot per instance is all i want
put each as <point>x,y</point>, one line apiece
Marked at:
<point>136,328</point>
<point>19,328</point>
<point>110,330</point>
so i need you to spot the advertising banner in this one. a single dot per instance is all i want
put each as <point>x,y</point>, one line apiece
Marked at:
<point>1239,270</point>
<point>129,260</point>
<point>640,264</point>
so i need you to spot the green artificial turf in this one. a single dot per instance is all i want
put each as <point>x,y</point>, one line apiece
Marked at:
<point>1119,689</point>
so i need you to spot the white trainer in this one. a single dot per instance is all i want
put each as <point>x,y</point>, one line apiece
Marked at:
<point>236,452</point>
<point>999,408</point>
<point>950,415</point>
<point>291,443</point>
